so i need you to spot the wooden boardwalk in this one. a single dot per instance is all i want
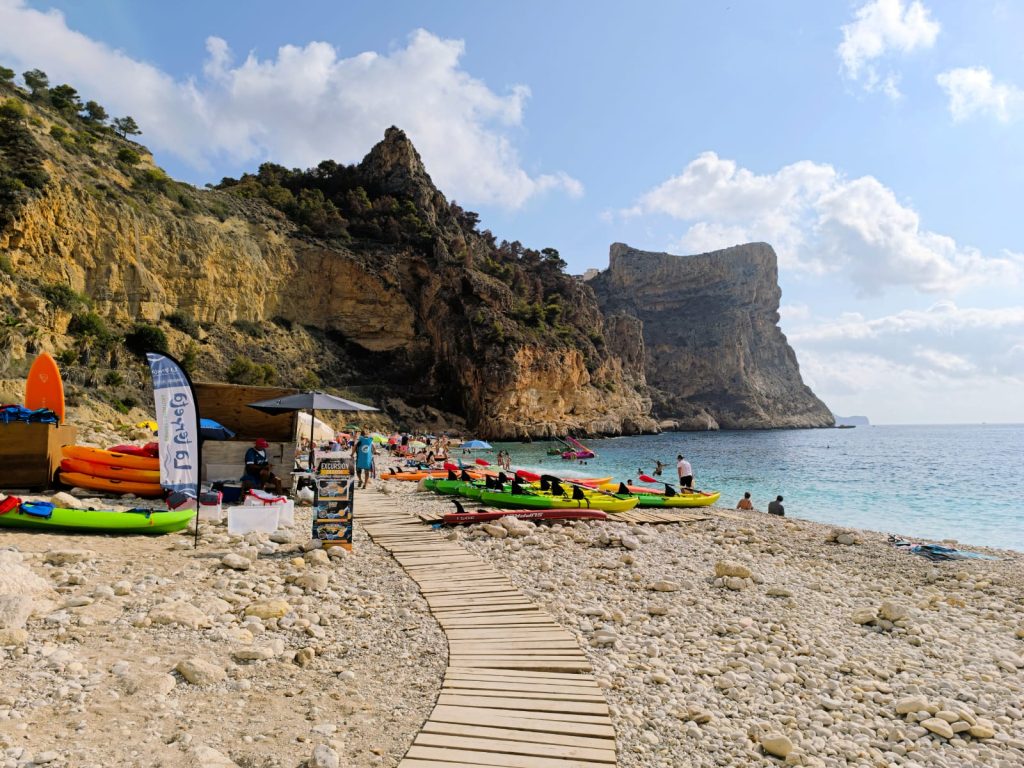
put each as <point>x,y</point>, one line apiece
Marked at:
<point>646,515</point>
<point>518,692</point>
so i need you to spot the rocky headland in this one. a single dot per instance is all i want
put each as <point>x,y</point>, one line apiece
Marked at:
<point>714,355</point>
<point>365,279</point>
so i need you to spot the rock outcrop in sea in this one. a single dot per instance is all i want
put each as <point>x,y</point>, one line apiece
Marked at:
<point>714,355</point>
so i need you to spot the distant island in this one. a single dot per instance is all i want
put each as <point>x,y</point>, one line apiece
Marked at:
<point>852,421</point>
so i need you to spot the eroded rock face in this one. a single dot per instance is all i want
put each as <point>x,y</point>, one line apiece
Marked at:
<point>714,354</point>
<point>441,323</point>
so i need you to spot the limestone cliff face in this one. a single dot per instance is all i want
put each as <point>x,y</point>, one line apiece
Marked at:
<point>413,325</point>
<point>714,354</point>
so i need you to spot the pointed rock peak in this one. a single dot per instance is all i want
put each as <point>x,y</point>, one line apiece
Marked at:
<point>395,165</point>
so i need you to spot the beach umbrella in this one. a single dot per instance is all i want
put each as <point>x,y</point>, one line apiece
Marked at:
<point>417,444</point>
<point>476,445</point>
<point>377,437</point>
<point>312,402</point>
<point>212,430</point>
<point>150,425</point>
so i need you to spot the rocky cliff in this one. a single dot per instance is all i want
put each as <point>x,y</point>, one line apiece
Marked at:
<point>361,278</point>
<point>714,355</point>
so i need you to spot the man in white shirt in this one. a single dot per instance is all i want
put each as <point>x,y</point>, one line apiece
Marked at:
<point>685,472</point>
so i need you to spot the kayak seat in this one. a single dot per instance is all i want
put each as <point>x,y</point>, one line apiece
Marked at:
<point>43,509</point>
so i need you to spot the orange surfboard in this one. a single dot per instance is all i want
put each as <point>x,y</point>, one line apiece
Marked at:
<point>44,388</point>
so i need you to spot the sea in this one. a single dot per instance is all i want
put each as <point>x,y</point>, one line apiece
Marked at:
<point>922,483</point>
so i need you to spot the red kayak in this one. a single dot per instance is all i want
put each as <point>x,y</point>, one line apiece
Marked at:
<point>485,515</point>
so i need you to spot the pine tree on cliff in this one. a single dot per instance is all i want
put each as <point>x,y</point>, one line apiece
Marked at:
<point>126,126</point>
<point>36,80</point>
<point>6,76</point>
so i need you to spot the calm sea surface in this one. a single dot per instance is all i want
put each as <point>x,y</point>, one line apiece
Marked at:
<point>921,482</point>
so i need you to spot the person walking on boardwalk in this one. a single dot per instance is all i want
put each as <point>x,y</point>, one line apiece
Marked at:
<point>685,472</point>
<point>364,450</point>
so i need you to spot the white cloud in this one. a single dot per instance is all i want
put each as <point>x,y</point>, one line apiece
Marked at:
<point>973,91</point>
<point>944,363</point>
<point>820,222</point>
<point>879,28</point>
<point>305,104</point>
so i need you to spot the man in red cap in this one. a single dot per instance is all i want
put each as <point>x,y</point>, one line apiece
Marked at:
<point>257,469</point>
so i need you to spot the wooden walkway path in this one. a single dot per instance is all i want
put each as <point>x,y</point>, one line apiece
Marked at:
<point>647,515</point>
<point>518,692</point>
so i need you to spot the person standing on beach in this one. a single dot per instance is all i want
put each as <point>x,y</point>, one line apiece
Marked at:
<point>776,508</point>
<point>363,450</point>
<point>685,472</point>
<point>745,502</point>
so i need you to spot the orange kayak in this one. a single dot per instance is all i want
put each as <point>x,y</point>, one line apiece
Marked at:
<point>110,472</point>
<point>99,456</point>
<point>109,485</point>
<point>422,474</point>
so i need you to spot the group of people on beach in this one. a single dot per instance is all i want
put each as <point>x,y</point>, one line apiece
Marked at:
<point>774,507</point>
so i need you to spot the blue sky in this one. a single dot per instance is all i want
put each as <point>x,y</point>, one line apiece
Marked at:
<point>877,144</point>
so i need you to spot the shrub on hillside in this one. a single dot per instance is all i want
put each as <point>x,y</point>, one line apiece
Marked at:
<point>63,296</point>
<point>128,156</point>
<point>183,322</point>
<point>145,338</point>
<point>244,371</point>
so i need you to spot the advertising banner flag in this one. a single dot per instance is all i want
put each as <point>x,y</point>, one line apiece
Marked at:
<point>178,418</point>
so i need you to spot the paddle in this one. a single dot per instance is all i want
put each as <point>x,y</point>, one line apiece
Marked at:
<point>649,479</point>
<point>581,485</point>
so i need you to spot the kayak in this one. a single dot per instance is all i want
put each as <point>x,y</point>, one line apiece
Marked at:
<point>636,489</point>
<point>680,500</point>
<point>99,456</point>
<point>110,485</point>
<point>484,515</point>
<point>98,521</point>
<point>547,501</point>
<point>110,471</point>
<point>416,474</point>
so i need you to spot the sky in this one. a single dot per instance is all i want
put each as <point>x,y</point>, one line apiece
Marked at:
<point>878,145</point>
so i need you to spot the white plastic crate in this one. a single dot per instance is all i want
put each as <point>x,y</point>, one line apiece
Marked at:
<point>246,519</point>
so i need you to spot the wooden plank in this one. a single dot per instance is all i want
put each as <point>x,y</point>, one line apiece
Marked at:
<point>505,746</point>
<point>454,671</point>
<point>513,694</point>
<point>512,734</point>
<point>498,759</point>
<point>534,705</point>
<point>553,666</point>
<point>454,713</point>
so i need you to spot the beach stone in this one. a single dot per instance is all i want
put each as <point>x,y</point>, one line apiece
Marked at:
<point>864,615</point>
<point>180,613</point>
<point>776,744</point>
<point>630,542</point>
<point>893,611</point>
<point>657,609</point>
<point>236,562</point>
<point>256,653</point>
<point>949,717</point>
<point>938,726</point>
<point>313,582</point>
<point>324,757</point>
<point>982,731</point>
<point>268,609</point>
<point>202,756</point>
<point>14,611</point>
<point>65,501</point>
<point>778,592</point>
<point>909,704</point>
<point>846,538</point>
<point>317,557</point>
<point>200,672</point>
<point>495,531</point>
<point>665,586</point>
<point>304,656</point>
<point>735,583</point>
<point>13,638</point>
<point>725,568</point>
<point>68,556</point>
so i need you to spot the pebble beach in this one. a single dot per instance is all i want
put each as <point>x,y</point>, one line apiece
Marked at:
<point>741,639</point>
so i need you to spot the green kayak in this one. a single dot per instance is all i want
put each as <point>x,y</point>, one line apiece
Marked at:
<point>679,500</point>
<point>100,521</point>
<point>541,500</point>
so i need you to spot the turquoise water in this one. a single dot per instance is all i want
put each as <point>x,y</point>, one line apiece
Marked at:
<point>922,482</point>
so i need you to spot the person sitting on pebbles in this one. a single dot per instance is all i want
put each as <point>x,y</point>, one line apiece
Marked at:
<point>745,502</point>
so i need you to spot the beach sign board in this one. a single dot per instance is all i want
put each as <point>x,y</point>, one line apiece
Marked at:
<point>178,420</point>
<point>333,501</point>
